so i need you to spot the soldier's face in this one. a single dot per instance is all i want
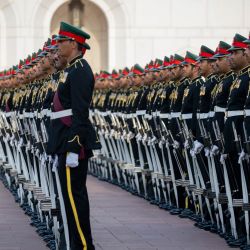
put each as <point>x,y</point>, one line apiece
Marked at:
<point>123,81</point>
<point>204,68</point>
<point>222,65</point>
<point>128,82</point>
<point>20,77</point>
<point>176,72</point>
<point>187,70</point>
<point>148,78</point>
<point>45,64</point>
<point>64,48</point>
<point>167,74</point>
<point>156,75</point>
<point>237,59</point>
<point>51,57</point>
<point>60,62</point>
<point>137,80</point>
<point>247,54</point>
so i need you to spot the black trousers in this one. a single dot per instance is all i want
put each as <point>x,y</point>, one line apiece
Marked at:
<point>75,195</point>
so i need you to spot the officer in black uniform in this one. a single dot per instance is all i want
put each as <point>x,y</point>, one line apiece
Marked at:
<point>234,123</point>
<point>221,92</point>
<point>247,112</point>
<point>72,137</point>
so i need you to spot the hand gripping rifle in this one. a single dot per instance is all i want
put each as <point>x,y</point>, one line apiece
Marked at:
<point>228,199</point>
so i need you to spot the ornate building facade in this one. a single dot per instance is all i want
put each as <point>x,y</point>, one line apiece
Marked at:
<point>123,31</point>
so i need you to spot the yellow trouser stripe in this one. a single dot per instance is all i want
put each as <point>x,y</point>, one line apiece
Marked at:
<point>73,206</point>
<point>186,202</point>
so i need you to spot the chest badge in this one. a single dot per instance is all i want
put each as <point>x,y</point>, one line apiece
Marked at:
<point>63,77</point>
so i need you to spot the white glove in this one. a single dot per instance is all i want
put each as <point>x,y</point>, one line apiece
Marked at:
<point>112,132</point>
<point>207,151</point>
<point>153,140</point>
<point>106,135</point>
<point>130,136</point>
<point>215,150</point>
<point>242,156</point>
<point>27,146</point>
<point>72,160</point>
<point>186,145</point>
<point>144,138</point>
<point>223,157</point>
<point>20,144</point>
<point>117,135</point>
<point>197,146</point>
<point>124,134</point>
<point>161,143</point>
<point>192,153</point>
<point>176,144</point>
<point>138,137</point>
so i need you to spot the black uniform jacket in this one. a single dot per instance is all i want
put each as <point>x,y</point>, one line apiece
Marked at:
<point>74,91</point>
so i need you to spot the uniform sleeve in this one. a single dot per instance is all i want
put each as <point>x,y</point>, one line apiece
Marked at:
<point>81,89</point>
<point>196,98</point>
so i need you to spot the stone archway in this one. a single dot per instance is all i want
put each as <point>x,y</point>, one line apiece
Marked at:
<point>3,62</point>
<point>95,23</point>
<point>117,25</point>
<point>8,43</point>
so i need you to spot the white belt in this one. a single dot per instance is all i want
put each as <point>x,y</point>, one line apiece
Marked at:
<point>148,116</point>
<point>186,116</point>
<point>219,109</point>
<point>235,113</point>
<point>8,114</point>
<point>163,116</point>
<point>60,114</point>
<point>103,113</point>
<point>175,114</point>
<point>128,116</point>
<point>28,115</point>
<point>247,112</point>
<point>154,114</point>
<point>211,114</point>
<point>44,112</point>
<point>141,112</point>
<point>202,115</point>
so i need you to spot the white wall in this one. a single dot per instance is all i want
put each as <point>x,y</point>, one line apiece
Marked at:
<point>138,30</point>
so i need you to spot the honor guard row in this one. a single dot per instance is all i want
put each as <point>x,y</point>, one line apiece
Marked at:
<point>47,138</point>
<point>176,133</point>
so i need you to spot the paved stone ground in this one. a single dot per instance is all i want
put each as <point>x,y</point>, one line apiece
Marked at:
<point>15,231</point>
<point>119,221</point>
<point>122,221</point>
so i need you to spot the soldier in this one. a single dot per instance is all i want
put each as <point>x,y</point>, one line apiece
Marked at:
<point>180,82</point>
<point>73,137</point>
<point>221,92</point>
<point>233,131</point>
<point>246,169</point>
<point>206,68</point>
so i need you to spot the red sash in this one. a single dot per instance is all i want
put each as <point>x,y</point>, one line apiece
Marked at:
<point>67,120</point>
